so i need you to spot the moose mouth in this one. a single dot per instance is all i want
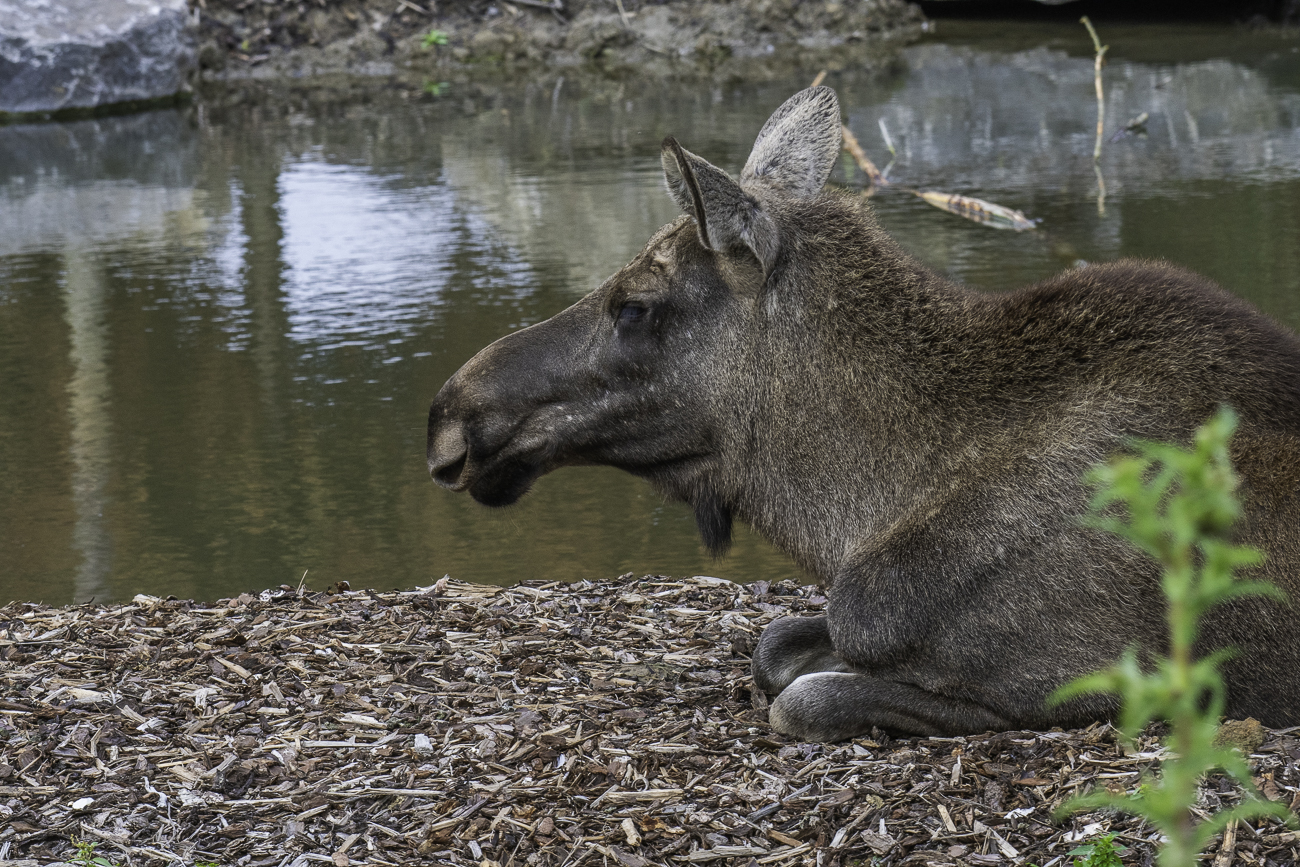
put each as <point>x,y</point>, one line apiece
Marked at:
<point>492,479</point>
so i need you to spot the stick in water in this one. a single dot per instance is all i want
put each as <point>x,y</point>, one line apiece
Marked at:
<point>977,210</point>
<point>1096,80</point>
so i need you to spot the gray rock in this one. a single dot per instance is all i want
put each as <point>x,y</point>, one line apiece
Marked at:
<point>74,54</point>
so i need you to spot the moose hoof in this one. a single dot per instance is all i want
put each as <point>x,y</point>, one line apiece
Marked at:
<point>816,707</point>
<point>790,647</point>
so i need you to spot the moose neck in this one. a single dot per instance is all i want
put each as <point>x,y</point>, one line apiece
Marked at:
<point>855,333</point>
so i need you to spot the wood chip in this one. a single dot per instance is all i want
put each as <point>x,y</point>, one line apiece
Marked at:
<point>542,725</point>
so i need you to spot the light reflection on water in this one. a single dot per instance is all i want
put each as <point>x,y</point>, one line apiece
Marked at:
<point>366,260</point>
<point>220,328</point>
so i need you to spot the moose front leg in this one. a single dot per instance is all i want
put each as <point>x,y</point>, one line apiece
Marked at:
<point>833,706</point>
<point>819,697</point>
<point>791,647</point>
<point>882,656</point>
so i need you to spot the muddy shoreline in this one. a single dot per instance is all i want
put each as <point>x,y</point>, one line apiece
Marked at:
<point>428,42</point>
<point>606,723</point>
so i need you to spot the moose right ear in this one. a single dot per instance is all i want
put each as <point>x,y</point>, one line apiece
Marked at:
<point>798,146</point>
<point>726,217</point>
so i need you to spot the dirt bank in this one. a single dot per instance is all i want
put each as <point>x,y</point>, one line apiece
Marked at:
<point>750,39</point>
<point>607,723</point>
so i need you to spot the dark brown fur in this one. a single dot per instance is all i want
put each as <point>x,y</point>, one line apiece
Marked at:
<point>916,444</point>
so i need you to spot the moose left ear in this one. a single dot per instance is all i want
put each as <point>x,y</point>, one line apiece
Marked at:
<point>725,215</point>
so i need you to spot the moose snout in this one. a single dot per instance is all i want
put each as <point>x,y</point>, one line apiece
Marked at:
<point>448,451</point>
<point>492,429</point>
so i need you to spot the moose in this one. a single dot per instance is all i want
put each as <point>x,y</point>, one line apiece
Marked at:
<point>915,444</point>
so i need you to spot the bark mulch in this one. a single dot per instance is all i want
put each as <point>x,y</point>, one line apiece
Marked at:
<point>597,724</point>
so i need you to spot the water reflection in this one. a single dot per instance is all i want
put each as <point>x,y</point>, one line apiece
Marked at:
<point>220,328</point>
<point>969,118</point>
<point>91,428</point>
<point>355,281</point>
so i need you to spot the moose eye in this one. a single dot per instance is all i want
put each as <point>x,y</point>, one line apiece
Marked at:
<point>631,313</point>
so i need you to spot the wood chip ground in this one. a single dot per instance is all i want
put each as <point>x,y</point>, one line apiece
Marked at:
<point>606,724</point>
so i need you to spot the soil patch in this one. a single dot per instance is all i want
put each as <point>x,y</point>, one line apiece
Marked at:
<point>600,724</point>
<point>727,39</point>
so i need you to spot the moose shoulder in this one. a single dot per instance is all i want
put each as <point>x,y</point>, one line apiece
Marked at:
<point>916,444</point>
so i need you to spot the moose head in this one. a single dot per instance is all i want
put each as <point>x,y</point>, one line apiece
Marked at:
<point>652,371</point>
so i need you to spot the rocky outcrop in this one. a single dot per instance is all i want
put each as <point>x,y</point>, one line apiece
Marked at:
<point>722,39</point>
<point>57,55</point>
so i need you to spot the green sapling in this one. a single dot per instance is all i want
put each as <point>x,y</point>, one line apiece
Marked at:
<point>1178,505</point>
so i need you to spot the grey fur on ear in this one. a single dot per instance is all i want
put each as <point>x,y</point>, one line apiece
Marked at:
<point>679,177</point>
<point>797,147</point>
<point>726,216</point>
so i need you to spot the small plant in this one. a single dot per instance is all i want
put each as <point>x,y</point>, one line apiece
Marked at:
<point>1180,504</point>
<point>1101,852</point>
<point>435,88</point>
<point>434,37</point>
<point>86,856</point>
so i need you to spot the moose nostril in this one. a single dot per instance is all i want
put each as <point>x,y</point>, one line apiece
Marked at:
<point>447,457</point>
<point>448,475</point>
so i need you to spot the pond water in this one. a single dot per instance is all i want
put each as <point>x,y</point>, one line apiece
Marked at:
<point>221,326</point>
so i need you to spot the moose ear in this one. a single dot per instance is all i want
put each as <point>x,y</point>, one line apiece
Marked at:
<point>797,147</point>
<point>725,215</point>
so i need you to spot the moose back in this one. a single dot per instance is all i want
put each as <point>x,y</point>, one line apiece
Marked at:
<point>914,443</point>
